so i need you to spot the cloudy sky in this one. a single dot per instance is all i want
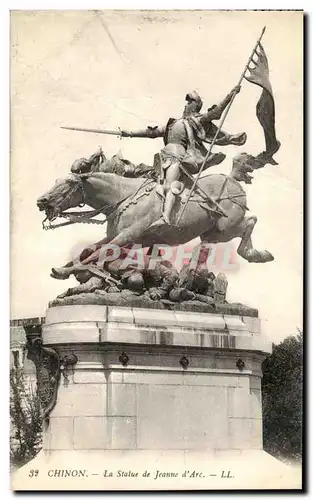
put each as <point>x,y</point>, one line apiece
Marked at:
<point>129,69</point>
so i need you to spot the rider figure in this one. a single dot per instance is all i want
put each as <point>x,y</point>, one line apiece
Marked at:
<point>183,140</point>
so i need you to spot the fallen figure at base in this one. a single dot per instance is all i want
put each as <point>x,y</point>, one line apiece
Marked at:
<point>159,283</point>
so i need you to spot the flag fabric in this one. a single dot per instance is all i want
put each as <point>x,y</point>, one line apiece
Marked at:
<point>265,109</point>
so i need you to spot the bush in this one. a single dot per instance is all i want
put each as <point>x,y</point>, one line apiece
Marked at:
<point>282,391</point>
<point>26,423</point>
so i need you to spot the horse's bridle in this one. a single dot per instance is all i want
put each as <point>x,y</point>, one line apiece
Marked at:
<point>70,193</point>
<point>82,217</point>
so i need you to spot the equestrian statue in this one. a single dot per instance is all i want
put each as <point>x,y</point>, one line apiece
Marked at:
<point>170,202</point>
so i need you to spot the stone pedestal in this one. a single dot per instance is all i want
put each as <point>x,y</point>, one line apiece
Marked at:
<point>152,390</point>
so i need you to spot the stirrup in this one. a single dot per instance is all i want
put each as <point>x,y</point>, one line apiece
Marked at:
<point>166,219</point>
<point>162,221</point>
<point>158,222</point>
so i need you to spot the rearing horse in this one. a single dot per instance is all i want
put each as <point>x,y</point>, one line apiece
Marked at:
<point>137,205</point>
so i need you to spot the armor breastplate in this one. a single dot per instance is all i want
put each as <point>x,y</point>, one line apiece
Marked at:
<point>176,133</point>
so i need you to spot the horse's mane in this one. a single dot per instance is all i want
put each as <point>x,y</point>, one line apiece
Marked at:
<point>115,177</point>
<point>105,175</point>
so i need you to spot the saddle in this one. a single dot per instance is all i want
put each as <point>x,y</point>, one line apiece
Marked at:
<point>189,165</point>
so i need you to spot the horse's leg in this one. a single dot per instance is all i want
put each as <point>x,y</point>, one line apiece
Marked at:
<point>222,233</point>
<point>65,271</point>
<point>245,249</point>
<point>122,239</point>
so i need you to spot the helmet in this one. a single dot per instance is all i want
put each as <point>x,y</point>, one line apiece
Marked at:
<point>194,96</point>
<point>80,166</point>
<point>135,281</point>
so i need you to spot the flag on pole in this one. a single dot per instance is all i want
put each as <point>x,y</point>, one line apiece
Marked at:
<point>265,108</point>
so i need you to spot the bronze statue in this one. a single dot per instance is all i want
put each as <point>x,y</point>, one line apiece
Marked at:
<point>132,205</point>
<point>176,207</point>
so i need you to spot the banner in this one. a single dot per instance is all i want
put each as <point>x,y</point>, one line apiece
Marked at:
<point>265,109</point>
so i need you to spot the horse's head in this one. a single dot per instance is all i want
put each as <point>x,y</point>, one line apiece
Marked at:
<point>243,165</point>
<point>67,192</point>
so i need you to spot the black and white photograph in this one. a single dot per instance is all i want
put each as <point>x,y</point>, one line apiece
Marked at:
<point>156,250</point>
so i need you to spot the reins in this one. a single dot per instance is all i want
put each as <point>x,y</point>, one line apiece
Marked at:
<point>87,216</point>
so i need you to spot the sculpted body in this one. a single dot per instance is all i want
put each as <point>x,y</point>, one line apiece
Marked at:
<point>138,206</point>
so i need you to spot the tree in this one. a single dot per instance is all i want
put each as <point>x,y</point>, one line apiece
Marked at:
<point>25,415</point>
<point>282,391</point>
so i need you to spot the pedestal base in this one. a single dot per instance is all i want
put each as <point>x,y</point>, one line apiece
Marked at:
<point>155,380</point>
<point>156,400</point>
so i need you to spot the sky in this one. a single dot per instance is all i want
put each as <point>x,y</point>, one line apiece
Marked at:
<point>129,69</point>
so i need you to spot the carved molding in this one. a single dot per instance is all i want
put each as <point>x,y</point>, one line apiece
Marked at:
<point>47,363</point>
<point>240,364</point>
<point>67,361</point>
<point>184,362</point>
<point>123,359</point>
<point>49,367</point>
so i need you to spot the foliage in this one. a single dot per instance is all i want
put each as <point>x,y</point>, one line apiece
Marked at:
<point>282,391</point>
<point>26,424</point>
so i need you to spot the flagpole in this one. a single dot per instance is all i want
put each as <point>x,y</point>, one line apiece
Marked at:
<point>220,126</point>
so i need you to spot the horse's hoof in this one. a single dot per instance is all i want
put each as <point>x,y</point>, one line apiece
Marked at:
<point>267,256</point>
<point>59,274</point>
<point>259,256</point>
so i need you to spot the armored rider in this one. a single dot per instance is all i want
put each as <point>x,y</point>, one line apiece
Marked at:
<point>183,140</point>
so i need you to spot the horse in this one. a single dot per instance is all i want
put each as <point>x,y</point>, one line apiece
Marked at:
<point>132,205</point>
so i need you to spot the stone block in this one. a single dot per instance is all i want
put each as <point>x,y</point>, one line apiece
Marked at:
<point>61,433</point>
<point>121,400</point>
<point>154,317</point>
<point>243,342</point>
<point>120,333</point>
<point>71,333</point>
<point>235,325</point>
<point>91,433</point>
<point>81,400</point>
<point>186,339</point>
<point>238,402</point>
<point>210,379</point>
<point>239,433</point>
<point>253,324</point>
<point>123,432</point>
<point>152,378</point>
<point>89,376</point>
<point>256,403</point>
<point>218,340</point>
<point>148,337</point>
<point>200,320</point>
<point>255,382</point>
<point>245,433</point>
<point>244,381</point>
<point>120,314</point>
<point>86,313</point>
<point>258,343</point>
<point>114,377</point>
<point>256,434</point>
<point>165,337</point>
<point>226,362</point>
<point>195,417</point>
